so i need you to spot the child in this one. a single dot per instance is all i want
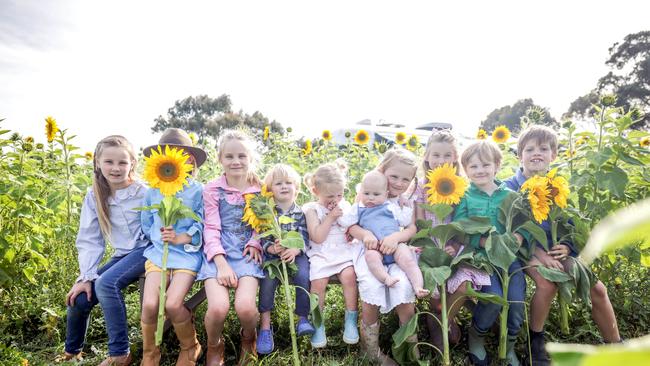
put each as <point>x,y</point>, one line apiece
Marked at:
<point>232,255</point>
<point>107,215</point>
<point>441,149</point>
<point>329,252</point>
<point>284,182</point>
<point>481,161</point>
<point>399,166</point>
<point>536,149</point>
<point>183,261</point>
<point>382,218</point>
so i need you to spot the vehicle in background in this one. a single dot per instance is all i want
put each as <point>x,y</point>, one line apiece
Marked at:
<point>383,131</point>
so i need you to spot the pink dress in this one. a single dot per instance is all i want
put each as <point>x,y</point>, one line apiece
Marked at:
<point>463,273</point>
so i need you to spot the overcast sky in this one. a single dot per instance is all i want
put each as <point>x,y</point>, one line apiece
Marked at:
<point>111,67</point>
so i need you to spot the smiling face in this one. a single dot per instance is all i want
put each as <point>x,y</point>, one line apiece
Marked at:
<point>440,153</point>
<point>481,173</point>
<point>374,189</point>
<point>115,164</point>
<point>235,159</point>
<point>536,157</point>
<point>399,177</point>
<point>284,190</point>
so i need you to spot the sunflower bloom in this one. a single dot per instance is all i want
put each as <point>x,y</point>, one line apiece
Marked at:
<point>307,148</point>
<point>481,135</point>
<point>413,143</point>
<point>167,170</point>
<point>582,140</point>
<point>645,142</point>
<point>400,138</point>
<point>88,155</point>
<point>249,216</point>
<point>327,135</point>
<point>50,128</point>
<point>445,186</point>
<point>361,137</point>
<point>265,192</point>
<point>501,134</point>
<point>266,133</point>
<point>539,198</point>
<point>559,188</point>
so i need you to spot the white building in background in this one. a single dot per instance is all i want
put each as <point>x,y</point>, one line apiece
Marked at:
<point>382,130</point>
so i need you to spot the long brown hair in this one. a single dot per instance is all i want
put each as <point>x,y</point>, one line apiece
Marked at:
<point>101,188</point>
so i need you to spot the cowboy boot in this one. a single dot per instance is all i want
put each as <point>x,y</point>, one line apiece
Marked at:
<point>150,352</point>
<point>248,351</point>
<point>215,355</point>
<point>190,346</point>
<point>117,360</point>
<point>370,345</point>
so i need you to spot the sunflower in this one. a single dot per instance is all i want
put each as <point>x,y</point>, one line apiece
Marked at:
<point>361,137</point>
<point>501,134</point>
<point>481,135</point>
<point>50,128</point>
<point>582,140</point>
<point>645,142</point>
<point>559,188</point>
<point>265,192</point>
<point>88,155</point>
<point>538,197</point>
<point>569,153</point>
<point>445,186</point>
<point>167,171</point>
<point>266,133</point>
<point>29,139</point>
<point>249,216</point>
<point>194,139</point>
<point>400,138</point>
<point>327,135</point>
<point>307,148</point>
<point>413,143</point>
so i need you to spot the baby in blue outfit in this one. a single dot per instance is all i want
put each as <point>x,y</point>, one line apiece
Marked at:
<point>383,216</point>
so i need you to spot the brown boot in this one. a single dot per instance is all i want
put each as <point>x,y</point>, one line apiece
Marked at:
<point>248,351</point>
<point>370,345</point>
<point>190,346</point>
<point>117,360</point>
<point>215,355</point>
<point>150,352</point>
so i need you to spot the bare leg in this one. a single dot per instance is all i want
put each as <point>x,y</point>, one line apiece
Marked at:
<point>245,296</point>
<point>217,311</point>
<point>319,287</point>
<point>369,313</point>
<point>374,260</point>
<point>348,280</point>
<point>603,313</point>
<point>179,286</point>
<point>406,261</point>
<point>150,298</point>
<point>540,304</point>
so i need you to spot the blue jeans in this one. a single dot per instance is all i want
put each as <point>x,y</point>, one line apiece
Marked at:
<point>300,278</point>
<point>114,276</point>
<point>486,313</point>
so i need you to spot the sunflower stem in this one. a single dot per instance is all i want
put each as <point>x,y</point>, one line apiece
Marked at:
<point>162,296</point>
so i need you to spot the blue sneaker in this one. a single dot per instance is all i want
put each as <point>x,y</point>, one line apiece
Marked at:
<point>304,327</point>
<point>265,343</point>
<point>350,331</point>
<point>319,339</point>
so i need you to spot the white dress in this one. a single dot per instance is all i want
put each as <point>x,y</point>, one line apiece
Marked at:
<point>374,292</point>
<point>335,253</point>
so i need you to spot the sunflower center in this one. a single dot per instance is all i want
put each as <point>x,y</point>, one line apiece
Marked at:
<point>168,172</point>
<point>500,134</point>
<point>445,187</point>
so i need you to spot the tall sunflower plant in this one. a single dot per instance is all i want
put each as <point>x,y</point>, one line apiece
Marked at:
<point>260,214</point>
<point>168,171</point>
<point>444,190</point>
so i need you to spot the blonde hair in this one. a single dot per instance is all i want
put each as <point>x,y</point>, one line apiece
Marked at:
<point>281,172</point>
<point>101,188</point>
<point>443,136</point>
<point>228,135</point>
<point>485,150</point>
<point>539,133</point>
<point>327,174</point>
<point>398,155</point>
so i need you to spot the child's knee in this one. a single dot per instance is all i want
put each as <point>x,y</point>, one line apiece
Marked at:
<point>149,307</point>
<point>174,306</point>
<point>245,310</point>
<point>544,286</point>
<point>598,292</point>
<point>218,311</point>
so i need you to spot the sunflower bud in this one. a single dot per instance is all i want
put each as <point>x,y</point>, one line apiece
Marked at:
<point>347,134</point>
<point>608,100</point>
<point>289,129</point>
<point>535,114</point>
<point>40,146</point>
<point>29,139</point>
<point>637,114</point>
<point>27,147</point>
<point>14,137</point>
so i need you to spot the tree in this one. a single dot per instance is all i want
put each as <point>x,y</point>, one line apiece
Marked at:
<point>629,79</point>
<point>207,116</point>
<point>510,116</point>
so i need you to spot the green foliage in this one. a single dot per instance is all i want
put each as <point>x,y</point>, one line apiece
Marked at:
<point>513,116</point>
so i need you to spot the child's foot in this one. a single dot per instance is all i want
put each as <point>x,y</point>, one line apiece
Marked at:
<point>421,292</point>
<point>69,356</point>
<point>304,327</point>
<point>390,281</point>
<point>265,343</point>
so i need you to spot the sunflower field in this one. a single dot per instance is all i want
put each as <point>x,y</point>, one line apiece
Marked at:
<point>43,181</point>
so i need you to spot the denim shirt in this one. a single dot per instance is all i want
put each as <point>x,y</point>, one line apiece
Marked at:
<point>126,233</point>
<point>299,225</point>
<point>187,256</point>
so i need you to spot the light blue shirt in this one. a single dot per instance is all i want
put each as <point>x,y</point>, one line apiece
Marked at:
<point>186,256</point>
<point>126,233</point>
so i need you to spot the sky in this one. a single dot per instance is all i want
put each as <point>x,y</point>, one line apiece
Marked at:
<point>111,67</point>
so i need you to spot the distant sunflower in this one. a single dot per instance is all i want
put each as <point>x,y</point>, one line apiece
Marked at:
<point>582,140</point>
<point>559,188</point>
<point>266,133</point>
<point>645,142</point>
<point>327,135</point>
<point>167,170</point>
<point>481,135</point>
<point>501,134</point>
<point>29,139</point>
<point>569,153</point>
<point>537,188</point>
<point>444,185</point>
<point>400,138</point>
<point>88,155</point>
<point>307,148</point>
<point>194,139</point>
<point>412,143</point>
<point>50,128</point>
<point>361,137</point>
